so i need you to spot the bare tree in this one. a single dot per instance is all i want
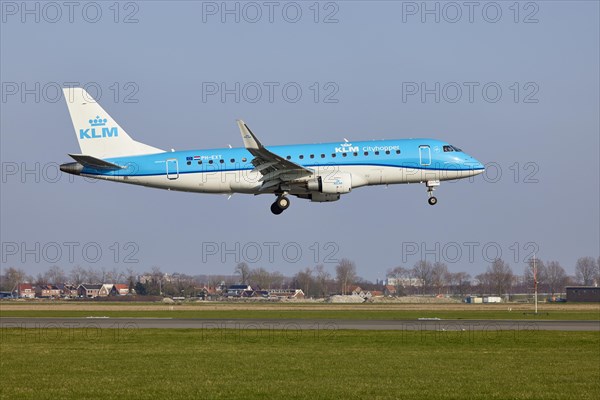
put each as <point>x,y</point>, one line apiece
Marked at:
<point>400,276</point>
<point>501,277</point>
<point>585,270</point>
<point>345,273</point>
<point>243,270</point>
<point>460,282</point>
<point>56,275</point>
<point>541,277</point>
<point>13,277</point>
<point>484,283</point>
<point>92,276</point>
<point>77,276</point>
<point>130,276</point>
<point>423,271</point>
<point>556,277</point>
<point>40,279</point>
<point>260,278</point>
<point>439,276</point>
<point>113,276</point>
<point>322,277</point>
<point>277,279</point>
<point>304,280</point>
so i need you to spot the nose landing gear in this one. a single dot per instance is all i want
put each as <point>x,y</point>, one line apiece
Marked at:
<point>430,188</point>
<point>280,205</point>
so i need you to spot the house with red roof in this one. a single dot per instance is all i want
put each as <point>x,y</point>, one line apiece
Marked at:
<point>25,291</point>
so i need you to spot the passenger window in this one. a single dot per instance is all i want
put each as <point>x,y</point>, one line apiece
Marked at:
<point>355,154</point>
<point>387,152</point>
<point>244,159</point>
<point>232,160</point>
<point>376,153</point>
<point>344,154</point>
<point>332,155</point>
<point>366,153</point>
<point>397,151</point>
<point>221,161</point>
<point>301,157</point>
<point>312,156</point>
<point>322,155</point>
<point>199,162</point>
<point>289,157</point>
<point>210,161</point>
<point>189,163</point>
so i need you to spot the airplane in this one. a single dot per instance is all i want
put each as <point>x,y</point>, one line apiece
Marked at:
<point>317,172</point>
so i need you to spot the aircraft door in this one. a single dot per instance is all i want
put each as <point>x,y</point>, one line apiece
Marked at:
<point>424,155</point>
<point>172,169</point>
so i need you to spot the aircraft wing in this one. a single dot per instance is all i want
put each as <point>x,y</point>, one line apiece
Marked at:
<point>275,169</point>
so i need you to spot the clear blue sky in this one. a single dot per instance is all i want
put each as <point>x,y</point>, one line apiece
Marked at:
<point>540,137</point>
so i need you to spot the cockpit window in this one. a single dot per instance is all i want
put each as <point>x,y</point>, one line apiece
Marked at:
<point>449,148</point>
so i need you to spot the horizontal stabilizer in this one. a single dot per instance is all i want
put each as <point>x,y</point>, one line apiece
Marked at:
<point>93,162</point>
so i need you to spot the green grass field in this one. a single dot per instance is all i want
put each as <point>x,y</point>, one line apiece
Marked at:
<point>192,364</point>
<point>299,310</point>
<point>352,313</point>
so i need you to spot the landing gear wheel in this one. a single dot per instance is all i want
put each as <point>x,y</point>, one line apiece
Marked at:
<point>432,200</point>
<point>282,202</point>
<point>275,209</point>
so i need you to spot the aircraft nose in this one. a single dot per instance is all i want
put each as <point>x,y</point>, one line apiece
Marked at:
<point>477,166</point>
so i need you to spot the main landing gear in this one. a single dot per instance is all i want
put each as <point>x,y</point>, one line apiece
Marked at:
<point>280,205</point>
<point>430,188</point>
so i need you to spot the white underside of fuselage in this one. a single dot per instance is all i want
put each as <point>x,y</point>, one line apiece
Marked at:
<point>246,181</point>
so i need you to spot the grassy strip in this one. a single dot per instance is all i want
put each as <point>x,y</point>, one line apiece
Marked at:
<point>191,364</point>
<point>173,312</point>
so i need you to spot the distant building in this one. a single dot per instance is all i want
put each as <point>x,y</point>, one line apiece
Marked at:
<point>354,290</point>
<point>67,290</point>
<point>88,290</point>
<point>120,289</point>
<point>25,291</point>
<point>237,290</point>
<point>105,290</point>
<point>389,290</point>
<point>405,282</point>
<point>286,293</point>
<point>583,294</point>
<point>47,291</point>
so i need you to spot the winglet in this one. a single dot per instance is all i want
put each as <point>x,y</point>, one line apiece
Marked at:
<point>250,141</point>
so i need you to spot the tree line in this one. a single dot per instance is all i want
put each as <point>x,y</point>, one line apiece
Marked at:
<point>422,278</point>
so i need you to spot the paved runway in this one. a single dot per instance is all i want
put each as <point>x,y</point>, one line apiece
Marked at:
<point>298,324</point>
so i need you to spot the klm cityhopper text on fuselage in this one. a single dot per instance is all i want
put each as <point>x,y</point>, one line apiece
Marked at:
<point>318,172</point>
